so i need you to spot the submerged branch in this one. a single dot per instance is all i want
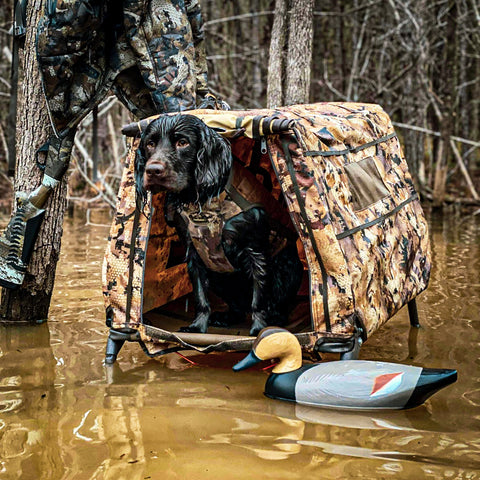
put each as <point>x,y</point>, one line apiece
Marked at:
<point>464,170</point>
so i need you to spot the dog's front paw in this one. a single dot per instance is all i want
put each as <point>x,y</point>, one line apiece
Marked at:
<point>258,324</point>
<point>254,331</point>
<point>192,329</point>
<point>199,325</point>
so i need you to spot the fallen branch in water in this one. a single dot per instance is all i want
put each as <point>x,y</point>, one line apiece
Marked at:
<point>464,170</point>
<point>449,199</point>
<point>458,157</point>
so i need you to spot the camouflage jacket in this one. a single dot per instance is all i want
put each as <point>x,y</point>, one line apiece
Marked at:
<point>149,52</point>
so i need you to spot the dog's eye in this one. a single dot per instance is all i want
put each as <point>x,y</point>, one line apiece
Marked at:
<point>151,144</point>
<point>182,143</point>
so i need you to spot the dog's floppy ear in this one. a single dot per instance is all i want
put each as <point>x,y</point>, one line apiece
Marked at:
<point>214,162</point>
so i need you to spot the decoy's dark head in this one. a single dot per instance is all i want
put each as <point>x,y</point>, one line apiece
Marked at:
<point>181,154</point>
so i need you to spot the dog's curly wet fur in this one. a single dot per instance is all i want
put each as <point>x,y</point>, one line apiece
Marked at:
<point>180,154</point>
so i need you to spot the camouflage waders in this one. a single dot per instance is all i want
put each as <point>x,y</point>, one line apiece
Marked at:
<point>149,52</point>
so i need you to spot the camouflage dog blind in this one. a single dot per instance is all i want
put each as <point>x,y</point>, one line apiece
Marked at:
<point>341,173</point>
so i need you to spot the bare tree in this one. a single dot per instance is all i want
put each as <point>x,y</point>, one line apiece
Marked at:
<point>421,61</point>
<point>289,75</point>
<point>299,53</point>
<point>446,88</point>
<point>30,303</point>
<point>276,56</point>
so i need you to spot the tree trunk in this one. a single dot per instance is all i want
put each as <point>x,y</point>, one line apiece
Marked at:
<point>299,55</point>
<point>449,76</point>
<point>413,90</point>
<point>475,102</point>
<point>276,56</point>
<point>257,72</point>
<point>30,303</point>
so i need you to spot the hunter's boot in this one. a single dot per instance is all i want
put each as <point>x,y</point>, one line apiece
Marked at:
<point>18,239</point>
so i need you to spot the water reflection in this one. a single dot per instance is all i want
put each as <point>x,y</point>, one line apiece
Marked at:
<point>63,415</point>
<point>28,400</point>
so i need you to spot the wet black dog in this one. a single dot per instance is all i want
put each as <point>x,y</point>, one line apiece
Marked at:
<point>192,162</point>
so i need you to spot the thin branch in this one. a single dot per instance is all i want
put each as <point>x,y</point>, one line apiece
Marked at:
<point>90,224</point>
<point>113,141</point>
<point>356,54</point>
<point>339,94</point>
<point>464,170</point>
<point>6,178</point>
<point>397,77</point>
<point>228,41</point>
<point>253,60</point>
<point>3,139</point>
<point>7,84</point>
<point>103,108</point>
<point>476,10</point>
<point>83,151</point>
<point>347,12</point>
<point>95,187</point>
<point>427,131</point>
<point>243,16</point>
<point>7,54</point>
<point>109,193</point>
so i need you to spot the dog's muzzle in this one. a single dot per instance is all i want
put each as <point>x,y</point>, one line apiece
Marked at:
<point>154,176</point>
<point>155,170</point>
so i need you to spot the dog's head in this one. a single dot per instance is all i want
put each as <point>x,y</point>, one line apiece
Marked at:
<point>181,154</point>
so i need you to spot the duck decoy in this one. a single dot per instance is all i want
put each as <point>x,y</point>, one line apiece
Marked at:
<point>346,384</point>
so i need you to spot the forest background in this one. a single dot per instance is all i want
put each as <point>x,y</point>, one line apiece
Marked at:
<point>419,59</point>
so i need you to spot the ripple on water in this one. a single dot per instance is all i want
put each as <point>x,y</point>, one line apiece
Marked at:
<point>147,417</point>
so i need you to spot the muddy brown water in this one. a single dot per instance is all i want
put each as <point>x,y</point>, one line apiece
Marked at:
<point>63,415</point>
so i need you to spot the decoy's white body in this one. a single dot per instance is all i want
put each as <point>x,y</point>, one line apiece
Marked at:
<point>348,384</point>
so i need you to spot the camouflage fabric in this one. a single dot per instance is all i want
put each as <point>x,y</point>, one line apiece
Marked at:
<point>375,259</point>
<point>150,52</point>
<point>205,226</point>
<point>345,182</point>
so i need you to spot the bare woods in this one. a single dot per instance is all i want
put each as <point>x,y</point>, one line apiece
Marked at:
<point>419,59</point>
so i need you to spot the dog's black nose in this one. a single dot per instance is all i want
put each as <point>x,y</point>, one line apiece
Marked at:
<point>155,169</point>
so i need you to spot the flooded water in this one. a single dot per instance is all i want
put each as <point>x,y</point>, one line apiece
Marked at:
<point>63,415</point>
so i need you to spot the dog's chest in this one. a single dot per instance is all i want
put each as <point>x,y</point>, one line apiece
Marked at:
<point>205,225</point>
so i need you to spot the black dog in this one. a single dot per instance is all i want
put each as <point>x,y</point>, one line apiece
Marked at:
<point>193,163</point>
